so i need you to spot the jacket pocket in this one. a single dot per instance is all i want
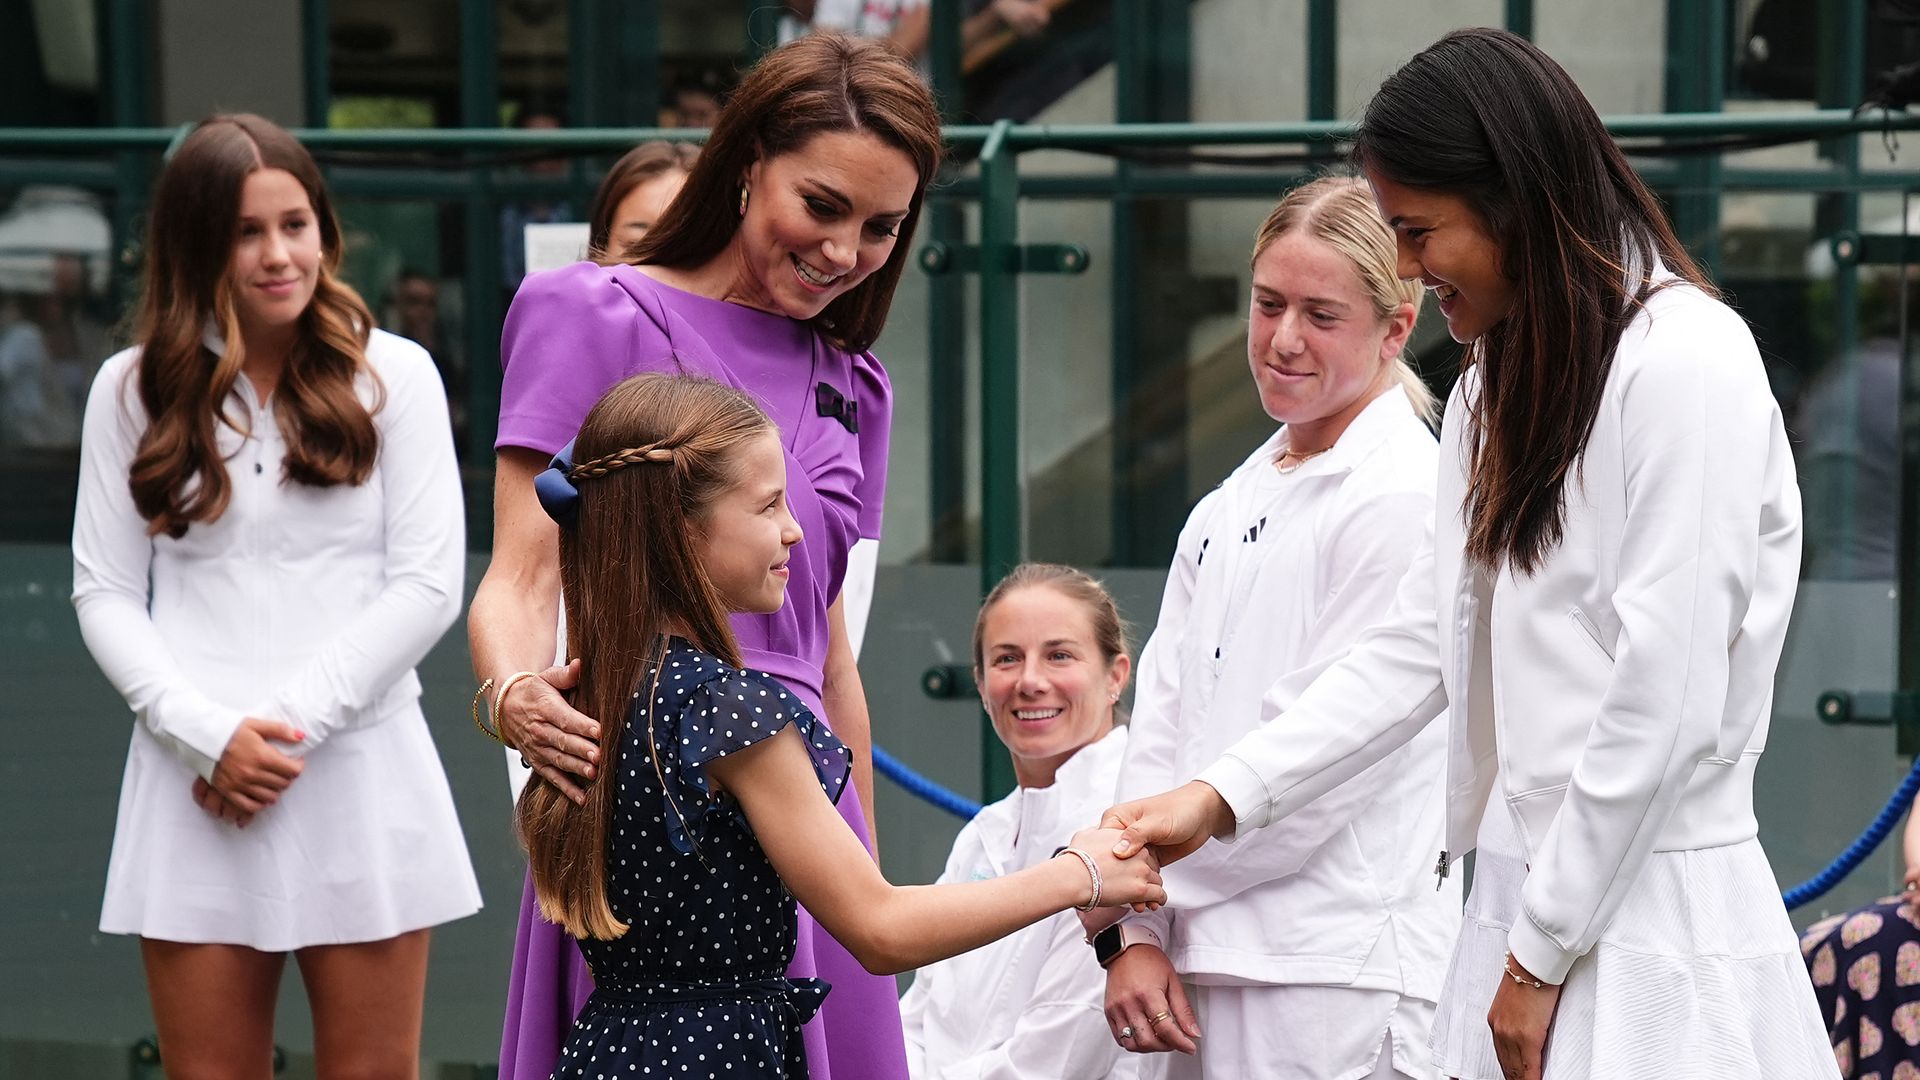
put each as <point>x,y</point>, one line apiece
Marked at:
<point>1590,632</point>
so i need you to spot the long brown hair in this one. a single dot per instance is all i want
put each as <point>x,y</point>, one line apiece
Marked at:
<point>1338,211</point>
<point>1485,115</point>
<point>178,475</point>
<point>635,167</point>
<point>650,459</point>
<point>819,83</point>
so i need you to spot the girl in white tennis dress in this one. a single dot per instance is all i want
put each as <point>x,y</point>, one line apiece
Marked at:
<point>268,538</point>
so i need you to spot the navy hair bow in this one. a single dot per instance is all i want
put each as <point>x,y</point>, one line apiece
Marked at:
<point>558,497</point>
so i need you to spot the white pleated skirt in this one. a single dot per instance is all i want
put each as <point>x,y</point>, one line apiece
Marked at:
<point>365,845</point>
<point>1697,977</point>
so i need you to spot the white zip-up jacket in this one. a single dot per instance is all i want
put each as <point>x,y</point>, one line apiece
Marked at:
<point>1274,577</point>
<point>1626,699</point>
<point>1029,1006</point>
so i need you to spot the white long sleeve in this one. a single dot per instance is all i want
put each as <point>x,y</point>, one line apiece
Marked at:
<point>425,527</point>
<point>112,561</point>
<point>301,604</point>
<point>1712,519</point>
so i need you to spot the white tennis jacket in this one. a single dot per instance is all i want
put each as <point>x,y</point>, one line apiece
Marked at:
<point>1624,697</point>
<point>1274,577</point>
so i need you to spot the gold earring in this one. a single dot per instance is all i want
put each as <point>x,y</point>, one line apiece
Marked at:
<point>743,200</point>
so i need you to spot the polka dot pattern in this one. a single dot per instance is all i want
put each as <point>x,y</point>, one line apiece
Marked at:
<point>685,992</point>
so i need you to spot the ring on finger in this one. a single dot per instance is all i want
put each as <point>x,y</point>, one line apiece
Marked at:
<point>1127,1032</point>
<point>1163,1015</point>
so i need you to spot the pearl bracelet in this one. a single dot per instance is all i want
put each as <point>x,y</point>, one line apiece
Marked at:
<point>1093,871</point>
<point>1507,966</point>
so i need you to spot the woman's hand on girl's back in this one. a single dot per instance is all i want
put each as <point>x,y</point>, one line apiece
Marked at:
<point>252,772</point>
<point>1131,882</point>
<point>561,743</point>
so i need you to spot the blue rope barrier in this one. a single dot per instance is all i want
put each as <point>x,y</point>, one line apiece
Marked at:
<point>1818,885</point>
<point>897,771</point>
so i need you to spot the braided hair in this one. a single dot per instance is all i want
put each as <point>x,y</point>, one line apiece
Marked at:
<point>630,573</point>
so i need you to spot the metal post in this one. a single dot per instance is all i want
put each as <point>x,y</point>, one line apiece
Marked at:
<point>1519,18</point>
<point>316,49</point>
<point>1002,504</point>
<point>1323,59</point>
<point>480,108</point>
<point>1697,46</point>
<point>763,27</point>
<point>945,223</point>
<point>943,56</point>
<point>586,63</point>
<point>1907,534</point>
<point>1842,51</point>
<point>128,74</point>
<point>635,78</point>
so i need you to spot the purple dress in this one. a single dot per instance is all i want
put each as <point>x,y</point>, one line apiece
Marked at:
<point>570,335</point>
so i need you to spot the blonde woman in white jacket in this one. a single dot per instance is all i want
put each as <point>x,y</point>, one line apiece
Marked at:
<point>1314,950</point>
<point>1599,612</point>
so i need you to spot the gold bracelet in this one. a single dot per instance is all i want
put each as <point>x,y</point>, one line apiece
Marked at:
<point>1507,966</point>
<point>500,697</point>
<point>474,710</point>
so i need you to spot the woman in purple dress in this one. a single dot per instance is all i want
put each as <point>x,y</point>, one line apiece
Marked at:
<point>771,272</point>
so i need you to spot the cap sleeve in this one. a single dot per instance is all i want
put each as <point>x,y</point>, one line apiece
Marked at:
<point>875,394</point>
<point>724,715</point>
<point>571,334</point>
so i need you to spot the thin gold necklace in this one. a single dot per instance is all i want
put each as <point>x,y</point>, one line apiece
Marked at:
<point>1299,459</point>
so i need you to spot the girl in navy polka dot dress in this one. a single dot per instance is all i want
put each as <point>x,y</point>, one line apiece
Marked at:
<point>680,870</point>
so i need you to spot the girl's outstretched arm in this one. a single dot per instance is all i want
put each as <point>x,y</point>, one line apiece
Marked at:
<point>893,928</point>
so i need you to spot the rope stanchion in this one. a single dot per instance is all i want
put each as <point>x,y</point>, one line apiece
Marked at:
<point>1819,884</point>
<point>920,787</point>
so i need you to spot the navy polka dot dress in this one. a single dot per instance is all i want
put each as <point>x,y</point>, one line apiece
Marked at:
<point>696,988</point>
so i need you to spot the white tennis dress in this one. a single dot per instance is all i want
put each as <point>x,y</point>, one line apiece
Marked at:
<point>300,604</point>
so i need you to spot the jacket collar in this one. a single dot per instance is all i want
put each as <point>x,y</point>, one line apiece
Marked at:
<point>1052,814</point>
<point>1375,425</point>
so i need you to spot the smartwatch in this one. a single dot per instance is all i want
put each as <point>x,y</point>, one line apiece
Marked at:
<point>1108,944</point>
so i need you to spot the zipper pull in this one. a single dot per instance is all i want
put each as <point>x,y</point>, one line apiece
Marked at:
<point>1440,872</point>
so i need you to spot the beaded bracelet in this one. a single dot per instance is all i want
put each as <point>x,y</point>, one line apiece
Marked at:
<point>1093,871</point>
<point>474,710</point>
<point>1507,966</point>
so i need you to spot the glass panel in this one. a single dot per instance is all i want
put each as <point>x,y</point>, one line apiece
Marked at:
<point>50,66</point>
<point>403,257</point>
<point>393,63</point>
<point>1617,53</point>
<point>1376,37</point>
<point>1833,360</point>
<point>57,324</point>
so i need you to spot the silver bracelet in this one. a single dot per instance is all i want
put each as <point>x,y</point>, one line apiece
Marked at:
<point>1093,871</point>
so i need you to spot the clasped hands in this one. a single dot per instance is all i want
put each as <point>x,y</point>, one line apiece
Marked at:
<point>252,771</point>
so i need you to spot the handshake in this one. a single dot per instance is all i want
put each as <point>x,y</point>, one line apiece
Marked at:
<point>1135,839</point>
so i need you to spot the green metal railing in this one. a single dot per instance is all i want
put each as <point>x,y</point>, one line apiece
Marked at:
<point>999,259</point>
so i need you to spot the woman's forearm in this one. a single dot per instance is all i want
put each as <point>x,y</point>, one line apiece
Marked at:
<point>844,697</point>
<point>510,626</point>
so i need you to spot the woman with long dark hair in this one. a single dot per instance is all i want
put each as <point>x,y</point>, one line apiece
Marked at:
<point>772,272</point>
<point>1615,554</point>
<point>268,538</point>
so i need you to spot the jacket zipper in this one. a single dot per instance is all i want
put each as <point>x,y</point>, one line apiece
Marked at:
<point>1440,871</point>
